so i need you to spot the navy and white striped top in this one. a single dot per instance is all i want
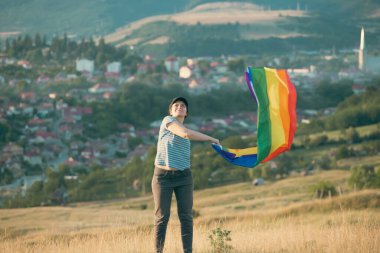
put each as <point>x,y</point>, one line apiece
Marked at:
<point>172,150</point>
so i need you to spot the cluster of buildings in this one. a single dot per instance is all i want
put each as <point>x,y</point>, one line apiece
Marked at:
<point>53,131</point>
<point>53,135</point>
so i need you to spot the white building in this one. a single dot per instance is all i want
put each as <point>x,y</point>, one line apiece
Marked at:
<point>114,67</point>
<point>172,64</point>
<point>362,52</point>
<point>85,65</point>
<point>367,63</point>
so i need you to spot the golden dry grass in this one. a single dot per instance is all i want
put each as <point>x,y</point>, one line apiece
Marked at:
<point>373,160</point>
<point>158,40</point>
<point>220,13</point>
<point>244,13</point>
<point>375,14</point>
<point>276,217</point>
<point>7,34</point>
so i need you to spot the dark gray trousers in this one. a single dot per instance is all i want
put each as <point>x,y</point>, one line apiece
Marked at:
<point>164,183</point>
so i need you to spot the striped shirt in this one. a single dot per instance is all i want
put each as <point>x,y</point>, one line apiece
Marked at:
<point>172,150</point>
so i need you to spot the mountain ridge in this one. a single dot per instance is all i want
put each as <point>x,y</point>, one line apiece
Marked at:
<point>100,17</point>
<point>213,14</point>
<point>197,25</point>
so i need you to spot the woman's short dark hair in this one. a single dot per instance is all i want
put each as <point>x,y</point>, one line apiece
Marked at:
<point>176,99</point>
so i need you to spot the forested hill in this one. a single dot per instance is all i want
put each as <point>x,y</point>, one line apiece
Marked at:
<point>84,17</point>
<point>99,17</point>
<point>354,111</point>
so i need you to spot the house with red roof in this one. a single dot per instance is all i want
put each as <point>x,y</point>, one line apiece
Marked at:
<point>112,75</point>
<point>33,157</point>
<point>45,108</point>
<point>25,64</point>
<point>26,109</point>
<point>42,136</point>
<point>42,79</point>
<point>75,113</point>
<point>358,89</point>
<point>12,149</point>
<point>102,88</point>
<point>71,162</point>
<point>36,123</point>
<point>28,96</point>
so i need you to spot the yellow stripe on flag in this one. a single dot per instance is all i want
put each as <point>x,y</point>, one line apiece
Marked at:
<point>277,129</point>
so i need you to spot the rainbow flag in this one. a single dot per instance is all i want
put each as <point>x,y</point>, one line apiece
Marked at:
<point>276,122</point>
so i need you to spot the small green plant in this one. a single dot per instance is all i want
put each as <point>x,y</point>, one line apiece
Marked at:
<point>196,213</point>
<point>143,206</point>
<point>219,241</point>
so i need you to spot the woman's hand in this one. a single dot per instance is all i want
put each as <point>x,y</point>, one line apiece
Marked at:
<point>216,141</point>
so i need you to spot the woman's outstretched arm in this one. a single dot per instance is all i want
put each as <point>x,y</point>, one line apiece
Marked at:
<point>179,129</point>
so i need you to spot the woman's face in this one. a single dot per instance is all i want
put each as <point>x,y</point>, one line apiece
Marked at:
<point>178,109</point>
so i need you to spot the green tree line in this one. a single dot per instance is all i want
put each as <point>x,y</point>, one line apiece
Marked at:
<point>356,110</point>
<point>209,170</point>
<point>141,104</point>
<point>62,49</point>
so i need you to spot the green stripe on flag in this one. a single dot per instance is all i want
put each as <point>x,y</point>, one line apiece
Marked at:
<point>264,138</point>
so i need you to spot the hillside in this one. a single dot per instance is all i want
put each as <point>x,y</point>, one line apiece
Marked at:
<point>100,17</point>
<point>81,18</point>
<point>284,211</point>
<point>218,28</point>
<point>265,23</point>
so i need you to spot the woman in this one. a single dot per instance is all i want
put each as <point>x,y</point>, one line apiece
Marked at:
<point>172,173</point>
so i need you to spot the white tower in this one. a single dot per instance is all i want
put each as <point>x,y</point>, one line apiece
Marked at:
<point>362,52</point>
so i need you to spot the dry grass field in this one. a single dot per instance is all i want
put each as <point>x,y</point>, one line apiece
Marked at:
<point>277,217</point>
<point>244,13</point>
<point>265,21</point>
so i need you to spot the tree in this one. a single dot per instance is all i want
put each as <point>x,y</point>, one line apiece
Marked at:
<point>364,176</point>
<point>343,152</point>
<point>325,162</point>
<point>27,44</point>
<point>319,140</point>
<point>333,93</point>
<point>7,45</point>
<point>352,135</point>
<point>35,195</point>
<point>6,177</point>
<point>148,168</point>
<point>102,45</point>
<point>55,179</point>
<point>131,62</point>
<point>35,56</point>
<point>237,66</point>
<point>285,163</point>
<point>134,170</point>
<point>100,58</point>
<point>22,86</point>
<point>38,41</point>
<point>56,48</point>
<point>5,132</point>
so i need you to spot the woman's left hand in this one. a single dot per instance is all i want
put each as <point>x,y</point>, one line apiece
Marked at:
<point>216,141</point>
